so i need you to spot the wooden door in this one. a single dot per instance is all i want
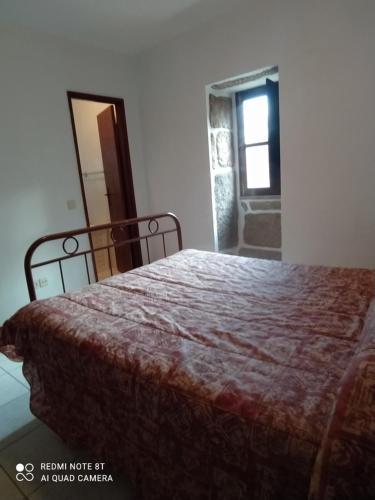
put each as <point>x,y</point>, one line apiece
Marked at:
<point>109,142</point>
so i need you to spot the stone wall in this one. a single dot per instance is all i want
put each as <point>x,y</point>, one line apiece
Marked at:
<point>223,173</point>
<point>260,225</point>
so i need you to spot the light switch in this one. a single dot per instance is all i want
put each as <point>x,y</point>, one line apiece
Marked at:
<point>71,204</point>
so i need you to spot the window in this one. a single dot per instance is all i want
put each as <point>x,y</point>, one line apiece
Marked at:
<point>259,140</point>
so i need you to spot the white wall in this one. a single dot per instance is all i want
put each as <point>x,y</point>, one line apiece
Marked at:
<point>325,53</point>
<point>38,170</point>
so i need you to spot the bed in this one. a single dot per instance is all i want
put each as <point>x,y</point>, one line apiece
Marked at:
<point>205,376</point>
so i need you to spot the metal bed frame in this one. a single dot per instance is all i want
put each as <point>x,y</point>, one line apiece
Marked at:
<point>153,227</point>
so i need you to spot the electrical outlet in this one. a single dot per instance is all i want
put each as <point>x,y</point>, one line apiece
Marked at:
<point>43,282</point>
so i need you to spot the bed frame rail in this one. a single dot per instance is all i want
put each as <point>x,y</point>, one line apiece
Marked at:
<point>151,222</point>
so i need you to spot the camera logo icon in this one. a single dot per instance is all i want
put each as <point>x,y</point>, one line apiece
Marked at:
<point>24,472</point>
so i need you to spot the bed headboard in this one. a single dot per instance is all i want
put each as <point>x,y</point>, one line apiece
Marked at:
<point>132,232</point>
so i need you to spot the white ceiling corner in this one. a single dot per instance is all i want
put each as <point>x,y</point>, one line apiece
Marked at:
<point>125,26</point>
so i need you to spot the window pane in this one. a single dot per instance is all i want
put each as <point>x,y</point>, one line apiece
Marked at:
<point>257,167</point>
<point>255,118</point>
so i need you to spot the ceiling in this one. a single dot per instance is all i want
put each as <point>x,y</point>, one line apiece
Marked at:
<point>126,26</point>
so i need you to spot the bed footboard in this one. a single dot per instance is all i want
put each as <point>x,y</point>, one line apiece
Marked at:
<point>130,232</point>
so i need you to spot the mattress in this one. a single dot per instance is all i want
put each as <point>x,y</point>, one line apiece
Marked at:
<point>208,376</point>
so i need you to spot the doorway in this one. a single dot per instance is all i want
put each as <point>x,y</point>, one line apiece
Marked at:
<point>104,168</point>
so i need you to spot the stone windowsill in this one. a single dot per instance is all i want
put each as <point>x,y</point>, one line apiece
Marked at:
<point>264,197</point>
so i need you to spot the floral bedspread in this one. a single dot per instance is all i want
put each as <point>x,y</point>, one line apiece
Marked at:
<point>212,377</point>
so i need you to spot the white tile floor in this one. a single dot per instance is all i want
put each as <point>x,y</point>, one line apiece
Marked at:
<point>24,438</point>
